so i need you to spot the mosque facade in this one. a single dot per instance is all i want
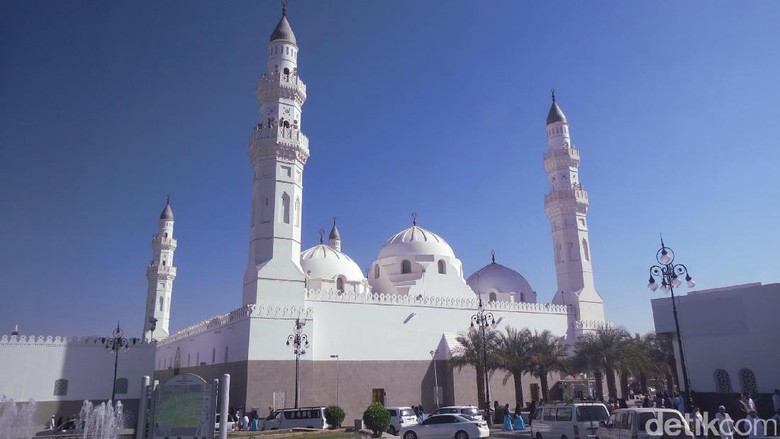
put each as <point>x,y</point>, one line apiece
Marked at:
<point>386,335</point>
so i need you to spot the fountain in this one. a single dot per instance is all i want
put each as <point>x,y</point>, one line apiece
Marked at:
<point>17,422</point>
<point>101,422</point>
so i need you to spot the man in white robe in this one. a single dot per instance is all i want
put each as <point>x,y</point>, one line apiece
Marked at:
<point>725,423</point>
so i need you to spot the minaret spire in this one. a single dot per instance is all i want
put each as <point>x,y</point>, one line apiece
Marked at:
<point>334,239</point>
<point>567,206</point>
<point>278,150</point>
<point>160,275</point>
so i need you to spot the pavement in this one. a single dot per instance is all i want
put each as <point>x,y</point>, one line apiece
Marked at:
<point>497,432</point>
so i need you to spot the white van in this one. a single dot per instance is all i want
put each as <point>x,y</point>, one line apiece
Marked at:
<point>400,417</point>
<point>568,420</point>
<point>645,423</point>
<point>305,417</point>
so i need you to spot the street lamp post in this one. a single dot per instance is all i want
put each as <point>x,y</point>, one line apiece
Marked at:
<point>669,273</point>
<point>117,343</point>
<point>435,379</point>
<point>299,342</point>
<point>338,374</point>
<point>484,319</point>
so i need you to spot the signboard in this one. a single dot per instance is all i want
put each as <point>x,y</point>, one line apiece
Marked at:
<point>184,407</point>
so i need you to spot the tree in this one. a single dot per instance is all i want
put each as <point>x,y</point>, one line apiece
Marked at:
<point>587,358</point>
<point>513,357</point>
<point>334,415</point>
<point>546,354</point>
<point>469,353</point>
<point>604,350</point>
<point>376,418</point>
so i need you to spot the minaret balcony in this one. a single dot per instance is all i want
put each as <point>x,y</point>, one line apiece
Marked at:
<point>162,269</point>
<point>289,136</point>
<point>561,158</point>
<point>279,85</point>
<point>164,242</point>
<point>576,194</point>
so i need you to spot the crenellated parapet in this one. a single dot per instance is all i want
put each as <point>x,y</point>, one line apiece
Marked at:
<point>62,340</point>
<point>592,325</point>
<point>563,157</point>
<point>244,313</point>
<point>433,302</point>
<point>273,142</point>
<point>278,85</point>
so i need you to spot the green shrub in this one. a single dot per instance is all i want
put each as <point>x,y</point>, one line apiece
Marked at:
<point>334,416</point>
<point>377,418</point>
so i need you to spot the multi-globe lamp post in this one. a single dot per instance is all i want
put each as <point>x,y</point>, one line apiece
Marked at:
<point>483,319</point>
<point>299,341</point>
<point>669,274</point>
<point>115,344</point>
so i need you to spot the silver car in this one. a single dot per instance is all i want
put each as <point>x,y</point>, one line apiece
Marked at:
<point>446,426</point>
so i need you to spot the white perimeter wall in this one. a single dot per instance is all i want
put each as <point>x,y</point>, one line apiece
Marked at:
<point>31,365</point>
<point>727,328</point>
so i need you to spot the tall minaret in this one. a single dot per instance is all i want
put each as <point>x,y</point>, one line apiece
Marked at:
<point>160,273</point>
<point>278,151</point>
<point>567,208</point>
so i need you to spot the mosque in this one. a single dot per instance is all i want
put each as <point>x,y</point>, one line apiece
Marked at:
<point>384,335</point>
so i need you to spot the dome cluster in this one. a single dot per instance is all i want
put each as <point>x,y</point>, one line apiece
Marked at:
<point>414,261</point>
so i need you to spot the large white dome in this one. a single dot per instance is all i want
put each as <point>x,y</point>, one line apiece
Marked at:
<point>415,241</point>
<point>498,278</point>
<point>325,262</point>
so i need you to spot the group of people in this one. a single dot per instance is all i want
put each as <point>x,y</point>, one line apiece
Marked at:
<point>755,427</point>
<point>245,421</point>
<point>513,421</point>
<point>419,412</point>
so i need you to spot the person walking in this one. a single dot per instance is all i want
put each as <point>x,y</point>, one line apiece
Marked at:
<point>698,424</point>
<point>776,400</point>
<point>725,423</point>
<point>507,425</point>
<point>519,424</point>
<point>754,424</point>
<point>420,414</point>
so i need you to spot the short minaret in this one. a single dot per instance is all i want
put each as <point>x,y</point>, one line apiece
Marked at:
<point>334,239</point>
<point>567,206</point>
<point>160,273</point>
<point>278,151</point>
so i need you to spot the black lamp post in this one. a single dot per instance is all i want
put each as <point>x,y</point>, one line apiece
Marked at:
<point>116,343</point>
<point>484,319</point>
<point>299,342</point>
<point>669,273</point>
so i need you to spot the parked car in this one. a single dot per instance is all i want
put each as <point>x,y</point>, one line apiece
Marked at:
<point>446,426</point>
<point>467,411</point>
<point>306,417</point>
<point>568,420</point>
<point>644,423</point>
<point>400,417</point>
<point>231,422</point>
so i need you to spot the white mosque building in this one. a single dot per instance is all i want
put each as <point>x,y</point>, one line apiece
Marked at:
<point>370,335</point>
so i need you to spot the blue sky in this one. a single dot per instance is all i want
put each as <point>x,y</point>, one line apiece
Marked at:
<point>435,107</point>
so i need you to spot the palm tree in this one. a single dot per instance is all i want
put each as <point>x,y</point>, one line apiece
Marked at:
<point>470,353</point>
<point>660,357</point>
<point>604,350</point>
<point>513,357</point>
<point>546,354</point>
<point>588,358</point>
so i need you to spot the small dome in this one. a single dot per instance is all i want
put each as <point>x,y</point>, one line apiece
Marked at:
<point>283,31</point>
<point>555,114</point>
<point>416,241</point>
<point>325,262</point>
<point>167,213</point>
<point>502,279</point>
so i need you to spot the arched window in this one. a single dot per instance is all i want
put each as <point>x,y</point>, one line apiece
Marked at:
<point>492,297</point>
<point>297,211</point>
<point>406,267</point>
<point>340,284</point>
<point>747,381</point>
<point>522,297</point>
<point>442,267</point>
<point>60,387</point>
<point>585,249</point>
<point>121,386</point>
<point>163,262</point>
<point>162,303</point>
<point>572,256</point>
<point>189,358</point>
<point>166,234</point>
<point>285,208</point>
<point>558,255</point>
<point>722,381</point>
<point>226,354</point>
<point>197,359</point>
<point>213,355</point>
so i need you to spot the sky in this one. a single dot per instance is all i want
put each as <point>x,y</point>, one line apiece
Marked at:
<point>434,107</point>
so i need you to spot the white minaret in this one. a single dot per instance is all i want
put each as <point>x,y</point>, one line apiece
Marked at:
<point>278,151</point>
<point>567,207</point>
<point>160,273</point>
